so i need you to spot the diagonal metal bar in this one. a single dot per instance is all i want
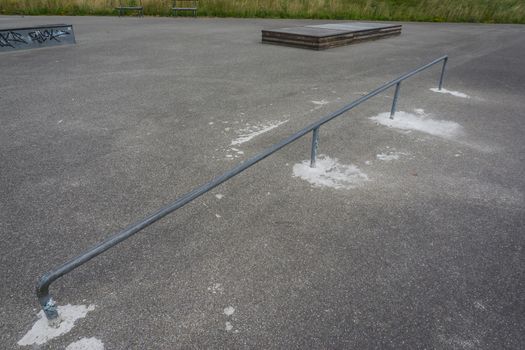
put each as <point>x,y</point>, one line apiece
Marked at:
<point>42,289</point>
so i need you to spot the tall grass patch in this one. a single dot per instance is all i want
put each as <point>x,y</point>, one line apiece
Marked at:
<point>486,11</point>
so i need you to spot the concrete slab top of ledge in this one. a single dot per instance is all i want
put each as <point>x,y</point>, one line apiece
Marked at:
<point>330,29</point>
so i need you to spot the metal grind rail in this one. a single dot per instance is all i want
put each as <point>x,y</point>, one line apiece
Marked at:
<point>42,290</point>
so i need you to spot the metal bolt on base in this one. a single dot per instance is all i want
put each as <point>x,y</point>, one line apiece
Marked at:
<point>51,312</point>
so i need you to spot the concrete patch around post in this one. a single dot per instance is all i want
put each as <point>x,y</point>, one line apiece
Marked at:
<point>330,172</point>
<point>420,121</point>
<point>42,331</point>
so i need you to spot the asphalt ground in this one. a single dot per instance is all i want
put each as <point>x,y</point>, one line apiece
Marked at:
<point>427,254</point>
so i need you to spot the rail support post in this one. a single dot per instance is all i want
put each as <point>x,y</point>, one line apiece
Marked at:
<point>394,103</point>
<point>315,145</point>
<point>442,73</point>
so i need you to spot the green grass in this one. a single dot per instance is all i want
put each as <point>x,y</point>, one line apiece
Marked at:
<point>485,11</point>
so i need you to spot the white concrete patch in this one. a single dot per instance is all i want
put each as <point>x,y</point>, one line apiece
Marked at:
<point>238,151</point>
<point>216,288</point>
<point>453,93</point>
<point>228,311</point>
<point>419,122</point>
<point>320,103</point>
<point>219,196</point>
<point>388,156</point>
<point>86,344</point>
<point>42,331</point>
<point>248,133</point>
<point>330,173</point>
<point>479,305</point>
<point>228,326</point>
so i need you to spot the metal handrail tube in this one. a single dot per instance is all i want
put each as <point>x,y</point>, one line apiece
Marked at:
<point>45,281</point>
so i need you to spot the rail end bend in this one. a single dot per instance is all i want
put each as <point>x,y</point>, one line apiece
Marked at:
<point>46,301</point>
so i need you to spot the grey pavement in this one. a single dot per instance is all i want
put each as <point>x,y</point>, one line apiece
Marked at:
<point>427,254</point>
